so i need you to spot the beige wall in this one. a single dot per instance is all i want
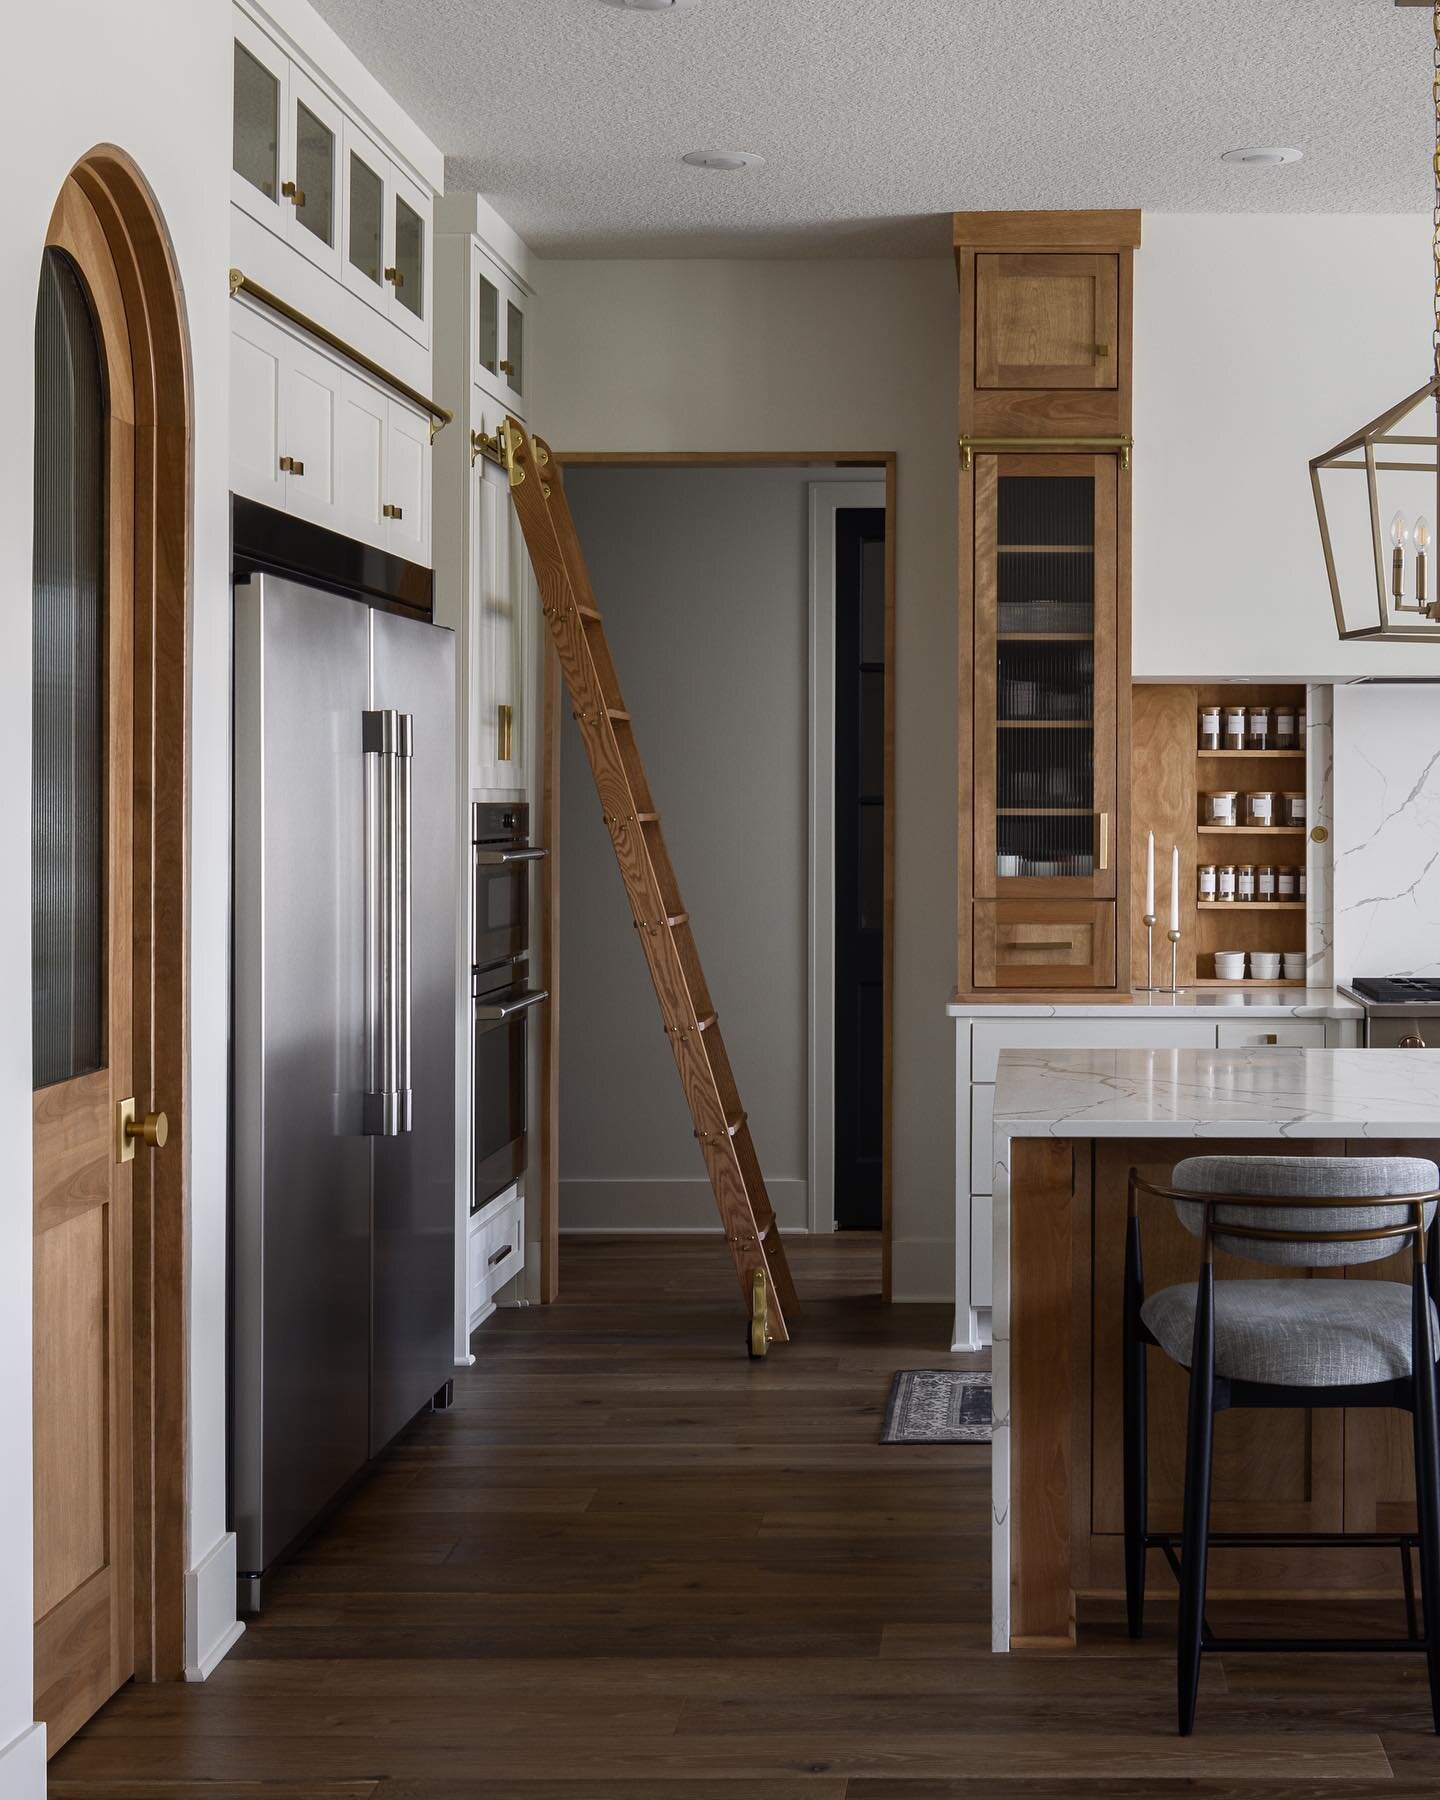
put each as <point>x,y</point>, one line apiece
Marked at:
<point>822,356</point>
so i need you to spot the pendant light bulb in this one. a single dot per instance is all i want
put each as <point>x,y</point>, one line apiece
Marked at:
<point>1399,531</point>
<point>1422,534</point>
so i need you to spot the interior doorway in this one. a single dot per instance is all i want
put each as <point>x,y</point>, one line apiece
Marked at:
<point>713,694</point>
<point>109,946</point>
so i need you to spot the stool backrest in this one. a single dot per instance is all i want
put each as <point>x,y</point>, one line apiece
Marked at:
<point>1364,1179</point>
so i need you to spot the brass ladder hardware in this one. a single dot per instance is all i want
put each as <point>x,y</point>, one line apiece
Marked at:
<point>687,1012</point>
<point>240,283</point>
<point>486,444</point>
<point>1112,446</point>
<point>757,1335</point>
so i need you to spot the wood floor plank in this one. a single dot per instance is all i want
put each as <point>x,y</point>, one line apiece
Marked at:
<point>631,1565</point>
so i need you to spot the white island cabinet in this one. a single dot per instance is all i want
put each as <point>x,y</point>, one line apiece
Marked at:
<point>1195,1019</point>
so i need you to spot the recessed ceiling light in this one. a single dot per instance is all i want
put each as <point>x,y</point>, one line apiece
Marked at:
<point>1262,156</point>
<point>655,6</point>
<point>729,160</point>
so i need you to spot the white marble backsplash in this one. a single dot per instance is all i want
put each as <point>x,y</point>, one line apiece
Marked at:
<point>1387,829</point>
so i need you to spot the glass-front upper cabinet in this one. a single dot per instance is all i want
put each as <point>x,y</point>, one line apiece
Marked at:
<point>1045,747</point>
<point>312,184</point>
<point>387,236</point>
<point>499,333</point>
<point>258,111</point>
<point>286,148</point>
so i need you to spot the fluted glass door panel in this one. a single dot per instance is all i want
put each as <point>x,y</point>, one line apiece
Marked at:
<point>68,772</point>
<point>1044,626</point>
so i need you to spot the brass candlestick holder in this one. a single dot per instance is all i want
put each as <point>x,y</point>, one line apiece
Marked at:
<point>1149,986</point>
<point>1174,987</point>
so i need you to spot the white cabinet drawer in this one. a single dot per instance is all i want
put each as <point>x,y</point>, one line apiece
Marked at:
<point>1295,1034</point>
<point>504,1245</point>
<point>982,1249</point>
<point>991,1036</point>
<point>982,1134</point>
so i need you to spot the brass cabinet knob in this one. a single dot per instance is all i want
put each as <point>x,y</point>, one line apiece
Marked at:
<point>291,192</point>
<point>395,278</point>
<point>153,1129</point>
<point>506,367</point>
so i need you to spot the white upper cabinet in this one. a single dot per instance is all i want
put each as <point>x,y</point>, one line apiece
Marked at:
<point>313,435</point>
<point>497,333</point>
<point>307,169</point>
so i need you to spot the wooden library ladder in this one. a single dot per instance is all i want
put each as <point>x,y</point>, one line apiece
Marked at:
<point>568,603</point>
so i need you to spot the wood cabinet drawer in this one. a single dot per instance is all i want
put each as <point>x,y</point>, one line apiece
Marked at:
<point>1044,944</point>
<point>1046,321</point>
<point>1294,1034</point>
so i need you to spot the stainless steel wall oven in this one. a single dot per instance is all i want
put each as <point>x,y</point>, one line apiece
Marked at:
<point>501,995</point>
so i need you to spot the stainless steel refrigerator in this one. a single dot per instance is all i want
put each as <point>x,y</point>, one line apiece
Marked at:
<point>343,1208</point>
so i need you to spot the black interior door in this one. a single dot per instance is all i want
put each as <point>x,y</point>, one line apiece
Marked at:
<point>859,864</point>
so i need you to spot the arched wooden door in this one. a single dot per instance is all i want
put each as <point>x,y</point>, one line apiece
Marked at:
<point>103,1299</point>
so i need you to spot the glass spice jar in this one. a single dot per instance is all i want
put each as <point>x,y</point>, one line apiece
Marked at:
<point>1284,728</point>
<point>1294,808</point>
<point>1265,882</point>
<point>1286,884</point>
<point>1245,881</point>
<point>1257,729</point>
<point>1225,882</point>
<point>1220,807</point>
<point>1260,808</point>
<point>1234,727</point>
<point>1209,727</point>
<point>1205,877</point>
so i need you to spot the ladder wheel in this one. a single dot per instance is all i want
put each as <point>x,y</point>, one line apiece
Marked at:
<point>756,1341</point>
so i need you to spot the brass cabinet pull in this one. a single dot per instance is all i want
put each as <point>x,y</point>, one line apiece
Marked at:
<point>395,278</point>
<point>292,465</point>
<point>291,192</point>
<point>504,732</point>
<point>506,368</point>
<point>1036,944</point>
<point>1102,351</point>
<point>1271,1037</point>
<point>390,511</point>
<point>1103,858</point>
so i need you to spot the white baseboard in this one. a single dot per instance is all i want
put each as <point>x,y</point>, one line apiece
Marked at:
<point>211,1628</point>
<point>22,1765</point>
<point>923,1269</point>
<point>667,1206</point>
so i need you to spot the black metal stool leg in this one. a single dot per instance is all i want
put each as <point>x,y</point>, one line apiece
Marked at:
<point>1196,1546</point>
<point>1136,1450</point>
<point>1427,1482</point>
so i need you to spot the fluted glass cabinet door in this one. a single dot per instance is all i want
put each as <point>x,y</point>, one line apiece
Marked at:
<point>1045,673</point>
<point>68,793</point>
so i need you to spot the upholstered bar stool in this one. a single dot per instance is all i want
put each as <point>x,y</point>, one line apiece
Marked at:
<point>1287,1343</point>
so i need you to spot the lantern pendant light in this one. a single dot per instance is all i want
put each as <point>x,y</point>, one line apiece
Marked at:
<point>1376,492</point>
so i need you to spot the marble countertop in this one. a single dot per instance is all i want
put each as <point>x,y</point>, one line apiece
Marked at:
<point>1188,1003</point>
<point>1265,1093</point>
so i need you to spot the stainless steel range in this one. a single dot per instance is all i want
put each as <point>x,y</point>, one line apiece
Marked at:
<point>1401,1013</point>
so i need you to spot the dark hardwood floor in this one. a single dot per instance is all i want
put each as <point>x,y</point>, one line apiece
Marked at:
<point>631,1565</point>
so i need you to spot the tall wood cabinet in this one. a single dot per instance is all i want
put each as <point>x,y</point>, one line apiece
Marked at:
<point>1044,599</point>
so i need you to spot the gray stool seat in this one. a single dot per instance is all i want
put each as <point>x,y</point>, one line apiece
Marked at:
<point>1295,1333</point>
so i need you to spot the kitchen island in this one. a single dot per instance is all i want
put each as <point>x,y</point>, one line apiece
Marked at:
<point>1068,1125</point>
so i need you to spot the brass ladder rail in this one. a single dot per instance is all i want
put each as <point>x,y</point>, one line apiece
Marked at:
<point>660,917</point>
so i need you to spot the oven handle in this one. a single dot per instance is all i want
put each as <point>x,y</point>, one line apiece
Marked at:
<point>487,1011</point>
<point>494,859</point>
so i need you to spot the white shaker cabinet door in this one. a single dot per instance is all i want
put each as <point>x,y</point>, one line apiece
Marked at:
<point>256,379</point>
<point>407,483</point>
<point>364,424</point>
<point>309,426</point>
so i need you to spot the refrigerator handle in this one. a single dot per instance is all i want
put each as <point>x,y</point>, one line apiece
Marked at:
<point>404,761</point>
<point>386,1111</point>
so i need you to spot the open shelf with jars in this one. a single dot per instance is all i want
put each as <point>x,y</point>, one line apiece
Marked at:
<point>1220,772</point>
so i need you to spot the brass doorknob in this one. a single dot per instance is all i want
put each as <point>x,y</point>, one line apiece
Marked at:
<point>153,1129</point>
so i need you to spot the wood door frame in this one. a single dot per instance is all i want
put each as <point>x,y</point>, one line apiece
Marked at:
<point>882,465</point>
<point>126,251</point>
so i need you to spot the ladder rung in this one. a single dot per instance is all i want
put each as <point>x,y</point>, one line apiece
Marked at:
<point>588,612</point>
<point>709,1020</point>
<point>673,919</point>
<point>616,712</point>
<point>647,818</point>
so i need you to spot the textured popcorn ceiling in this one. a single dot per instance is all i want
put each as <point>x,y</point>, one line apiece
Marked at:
<point>876,117</point>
